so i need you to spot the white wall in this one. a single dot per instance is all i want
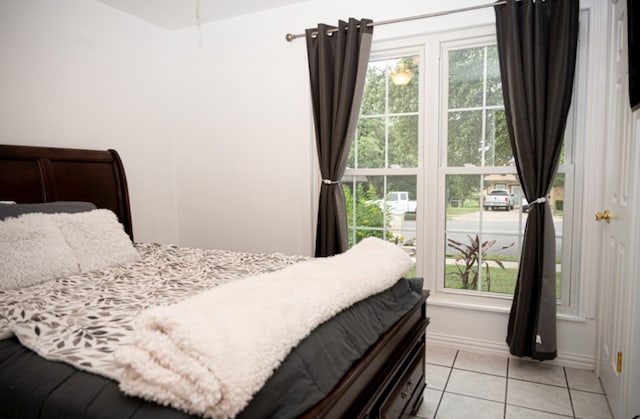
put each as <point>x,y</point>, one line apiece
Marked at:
<point>77,73</point>
<point>243,130</point>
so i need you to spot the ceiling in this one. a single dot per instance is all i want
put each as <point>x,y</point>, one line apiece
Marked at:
<point>177,14</point>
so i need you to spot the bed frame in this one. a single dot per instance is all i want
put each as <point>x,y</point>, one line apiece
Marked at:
<point>42,174</point>
<point>387,382</point>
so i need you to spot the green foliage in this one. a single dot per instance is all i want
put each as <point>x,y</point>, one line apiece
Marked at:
<point>367,213</point>
<point>387,132</point>
<point>466,98</point>
<point>402,183</point>
<point>465,77</point>
<point>373,101</point>
<point>376,128</point>
<point>370,144</point>
<point>403,141</point>
<point>466,82</point>
<point>463,187</point>
<point>558,181</point>
<point>468,263</point>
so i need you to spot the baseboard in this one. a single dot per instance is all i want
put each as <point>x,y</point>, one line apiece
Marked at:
<point>501,349</point>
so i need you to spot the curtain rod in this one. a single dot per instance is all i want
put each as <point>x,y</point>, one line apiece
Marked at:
<point>290,36</point>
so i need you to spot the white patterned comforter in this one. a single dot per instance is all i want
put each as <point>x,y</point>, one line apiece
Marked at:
<point>83,319</point>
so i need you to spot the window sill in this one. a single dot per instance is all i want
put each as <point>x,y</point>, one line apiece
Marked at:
<point>491,305</point>
<point>469,302</point>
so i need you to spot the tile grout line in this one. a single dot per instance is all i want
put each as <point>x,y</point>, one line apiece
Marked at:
<point>534,381</point>
<point>528,379</point>
<point>506,389</point>
<point>482,372</point>
<point>566,379</point>
<point>455,357</point>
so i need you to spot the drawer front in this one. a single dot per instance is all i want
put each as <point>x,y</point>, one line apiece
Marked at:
<point>396,403</point>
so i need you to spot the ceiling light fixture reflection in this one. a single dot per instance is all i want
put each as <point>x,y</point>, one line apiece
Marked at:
<point>402,75</point>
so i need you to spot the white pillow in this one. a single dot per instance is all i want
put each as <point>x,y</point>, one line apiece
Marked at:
<point>32,251</point>
<point>97,239</point>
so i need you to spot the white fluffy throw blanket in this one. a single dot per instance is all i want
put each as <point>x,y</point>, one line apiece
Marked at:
<point>210,353</point>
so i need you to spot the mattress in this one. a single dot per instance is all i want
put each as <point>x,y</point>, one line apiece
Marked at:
<point>32,387</point>
<point>56,319</point>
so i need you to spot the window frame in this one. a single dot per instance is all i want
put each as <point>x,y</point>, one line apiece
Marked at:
<point>385,172</point>
<point>430,177</point>
<point>479,37</point>
<point>450,42</point>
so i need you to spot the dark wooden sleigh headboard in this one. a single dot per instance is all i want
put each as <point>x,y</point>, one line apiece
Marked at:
<point>44,174</point>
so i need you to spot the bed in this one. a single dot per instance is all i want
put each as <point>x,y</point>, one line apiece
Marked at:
<point>387,380</point>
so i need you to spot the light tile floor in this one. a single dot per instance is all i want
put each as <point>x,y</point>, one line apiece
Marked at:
<point>469,385</point>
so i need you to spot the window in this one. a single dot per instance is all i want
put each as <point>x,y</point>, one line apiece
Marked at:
<point>380,182</point>
<point>440,154</point>
<point>483,232</point>
<point>485,210</point>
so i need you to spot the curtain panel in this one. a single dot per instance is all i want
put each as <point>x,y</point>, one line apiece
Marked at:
<point>537,45</point>
<point>337,68</point>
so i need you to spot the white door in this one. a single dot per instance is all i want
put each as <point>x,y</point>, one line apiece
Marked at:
<point>617,255</point>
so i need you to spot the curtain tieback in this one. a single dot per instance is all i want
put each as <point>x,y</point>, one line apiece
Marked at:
<point>330,182</point>
<point>540,200</point>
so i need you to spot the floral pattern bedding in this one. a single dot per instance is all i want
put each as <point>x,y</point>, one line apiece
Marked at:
<point>83,318</point>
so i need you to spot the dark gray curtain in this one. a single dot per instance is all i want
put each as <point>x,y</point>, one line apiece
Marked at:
<point>537,43</point>
<point>337,69</point>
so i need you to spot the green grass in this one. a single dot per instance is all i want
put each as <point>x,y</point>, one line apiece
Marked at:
<point>454,212</point>
<point>503,281</point>
<point>468,207</point>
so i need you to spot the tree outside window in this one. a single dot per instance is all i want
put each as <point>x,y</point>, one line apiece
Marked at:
<point>384,155</point>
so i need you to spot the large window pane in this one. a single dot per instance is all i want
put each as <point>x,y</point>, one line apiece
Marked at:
<point>387,134</point>
<point>483,246</point>
<point>381,197</point>
<point>477,131</point>
<point>485,221</point>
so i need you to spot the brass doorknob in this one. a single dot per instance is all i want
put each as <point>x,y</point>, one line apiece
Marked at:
<point>605,215</point>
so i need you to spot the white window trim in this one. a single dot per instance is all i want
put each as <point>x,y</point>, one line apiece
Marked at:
<point>399,50</point>
<point>476,37</point>
<point>431,215</point>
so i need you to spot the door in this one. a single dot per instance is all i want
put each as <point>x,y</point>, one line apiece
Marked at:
<point>617,254</point>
